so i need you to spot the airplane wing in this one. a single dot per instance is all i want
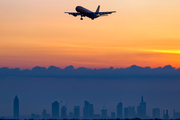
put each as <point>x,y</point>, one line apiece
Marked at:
<point>73,13</point>
<point>105,13</point>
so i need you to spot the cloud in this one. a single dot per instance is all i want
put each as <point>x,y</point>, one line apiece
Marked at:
<point>133,71</point>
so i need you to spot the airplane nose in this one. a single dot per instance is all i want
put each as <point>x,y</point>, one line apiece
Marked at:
<point>78,8</point>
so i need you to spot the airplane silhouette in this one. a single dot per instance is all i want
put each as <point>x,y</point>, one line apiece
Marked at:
<point>83,12</point>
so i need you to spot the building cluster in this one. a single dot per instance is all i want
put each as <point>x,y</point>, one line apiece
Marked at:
<point>88,112</point>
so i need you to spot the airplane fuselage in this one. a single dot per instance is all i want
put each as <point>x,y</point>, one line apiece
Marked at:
<point>85,12</point>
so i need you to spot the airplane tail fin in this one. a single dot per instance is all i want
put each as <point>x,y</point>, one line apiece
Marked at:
<point>98,9</point>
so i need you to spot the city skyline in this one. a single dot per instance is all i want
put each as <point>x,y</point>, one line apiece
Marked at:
<point>60,112</point>
<point>41,86</point>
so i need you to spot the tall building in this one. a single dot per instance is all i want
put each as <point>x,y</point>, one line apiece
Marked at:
<point>88,111</point>
<point>63,112</point>
<point>129,112</point>
<point>165,115</point>
<point>76,112</point>
<point>156,113</point>
<point>120,110</point>
<point>35,116</point>
<point>16,108</point>
<point>55,110</point>
<point>71,115</point>
<point>176,115</point>
<point>91,111</point>
<point>141,109</point>
<point>45,115</point>
<point>113,115</point>
<point>104,114</point>
<point>97,116</point>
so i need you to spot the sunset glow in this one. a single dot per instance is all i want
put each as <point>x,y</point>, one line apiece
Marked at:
<point>38,33</point>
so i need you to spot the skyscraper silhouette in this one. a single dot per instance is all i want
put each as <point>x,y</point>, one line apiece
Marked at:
<point>55,110</point>
<point>63,112</point>
<point>88,111</point>
<point>129,112</point>
<point>91,111</point>
<point>165,115</point>
<point>120,110</point>
<point>45,115</point>
<point>16,108</point>
<point>104,114</point>
<point>35,116</point>
<point>76,112</point>
<point>113,115</point>
<point>71,115</point>
<point>141,109</point>
<point>176,115</point>
<point>156,113</point>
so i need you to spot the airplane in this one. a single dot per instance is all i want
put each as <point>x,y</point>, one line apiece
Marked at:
<point>83,12</point>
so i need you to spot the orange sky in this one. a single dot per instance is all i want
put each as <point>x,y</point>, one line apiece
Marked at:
<point>38,33</point>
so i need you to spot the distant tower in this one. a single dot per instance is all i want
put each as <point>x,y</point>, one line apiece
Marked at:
<point>55,110</point>
<point>71,115</point>
<point>156,113</point>
<point>88,111</point>
<point>91,111</point>
<point>176,115</point>
<point>104,114</point>
<point>120,110</point>
<point>16,108</point>
<point>113,115</point>
<point>76,112</point>
<point>63,112</point>
<point>45,115</point>
<point>129,112</point>
<point>165,116</point>
<point>141,109</point>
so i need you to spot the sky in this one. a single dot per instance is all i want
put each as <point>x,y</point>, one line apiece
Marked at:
<point>39,33</point>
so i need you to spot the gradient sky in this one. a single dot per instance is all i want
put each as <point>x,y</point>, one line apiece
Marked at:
<point>38,33</point>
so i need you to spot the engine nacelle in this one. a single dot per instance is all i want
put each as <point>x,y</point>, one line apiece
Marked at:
<point>75,15</point>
